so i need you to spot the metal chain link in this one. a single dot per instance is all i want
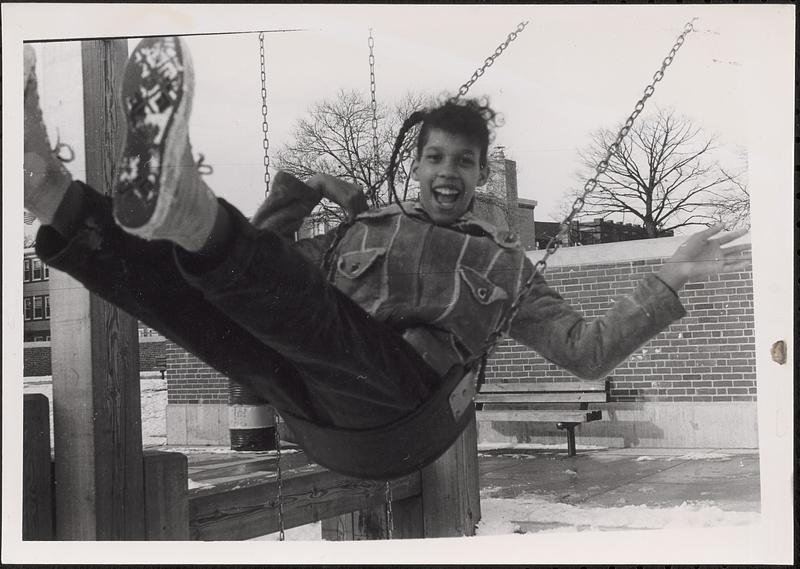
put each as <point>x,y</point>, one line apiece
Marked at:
<point>374,103</point>
<point>389,513</point>
<point>404,155</point>
<point>464,89</point>
<point>279,472</point>
<point>265,130</point>
<point>264,123</point>
<point>489,61</point>
<point>554,243</point>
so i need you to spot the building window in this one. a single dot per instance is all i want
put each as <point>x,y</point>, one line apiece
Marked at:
<point>37,269</point>
<point>28,308</point>
<point>47,307</point>
<point>38,307</point>
<point>46,271</point>
<point>26,272</point>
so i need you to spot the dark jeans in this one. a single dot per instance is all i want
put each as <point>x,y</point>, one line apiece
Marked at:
<point>265,317</point>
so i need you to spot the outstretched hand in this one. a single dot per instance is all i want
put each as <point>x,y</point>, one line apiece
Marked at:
<point>349,196</point>
<point>700,256</point>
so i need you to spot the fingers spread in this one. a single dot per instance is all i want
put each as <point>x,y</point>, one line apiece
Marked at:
<point>713,230</point>
<point>731,235</point>
<point>736,249</point>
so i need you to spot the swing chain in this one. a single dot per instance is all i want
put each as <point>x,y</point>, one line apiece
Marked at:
<point>265,130</point>
<point>489,61</point>
<point>389,513</point>
<point>279,473</point>
<point>555,241</point>
<point>264,123</point>
<point>374,103</point>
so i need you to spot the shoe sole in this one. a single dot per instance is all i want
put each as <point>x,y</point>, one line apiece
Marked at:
<point>157,89</point>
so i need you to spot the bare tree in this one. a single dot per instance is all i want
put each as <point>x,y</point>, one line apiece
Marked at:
<point>336,137</point>
<point>664,173</point>
<point>732,208</point>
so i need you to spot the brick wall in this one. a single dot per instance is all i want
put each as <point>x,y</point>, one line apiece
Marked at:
<point>36,356</point>
<point>152,351</point>
<point>190,381</point>
<point>708,356</point>
<point>36,359</point>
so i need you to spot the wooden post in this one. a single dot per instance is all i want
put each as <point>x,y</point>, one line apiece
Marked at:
<point>166,496</point>
<point>96,393</point>
<point>448,506</point>
<point>371,523</point>
<point>37,476</point>
<point>451,490</point>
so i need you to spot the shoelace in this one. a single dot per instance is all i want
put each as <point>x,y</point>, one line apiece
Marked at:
<point>59,146</point>
<point>202,168</point>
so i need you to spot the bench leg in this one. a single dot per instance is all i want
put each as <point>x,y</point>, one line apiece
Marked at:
<point>570,428</point>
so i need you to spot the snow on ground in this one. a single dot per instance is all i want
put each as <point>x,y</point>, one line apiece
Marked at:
<point>533,446</point>
<point>535,513</point>
<point>154,404</point>
<point>523,514</point>
<point>700,455</point>
<point>310,532</point>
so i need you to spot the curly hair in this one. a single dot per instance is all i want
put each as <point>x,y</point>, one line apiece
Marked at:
<point>472,118</point>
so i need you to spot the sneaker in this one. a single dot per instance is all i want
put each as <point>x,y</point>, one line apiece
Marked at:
<point>45,179</point>
<point>155,196</point>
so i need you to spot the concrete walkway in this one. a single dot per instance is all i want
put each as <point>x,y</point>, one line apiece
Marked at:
<point>723,481</point>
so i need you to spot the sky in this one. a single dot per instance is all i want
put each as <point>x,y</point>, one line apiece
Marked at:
<point>572,70</point>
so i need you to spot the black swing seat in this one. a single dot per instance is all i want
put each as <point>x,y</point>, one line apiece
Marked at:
<point>398,448</point>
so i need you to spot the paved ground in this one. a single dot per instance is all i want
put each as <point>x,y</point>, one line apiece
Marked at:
<point>613,477</point>
<point>659,479</point>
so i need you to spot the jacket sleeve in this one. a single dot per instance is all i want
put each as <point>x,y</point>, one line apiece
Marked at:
<point>592,349</point>
<point>283,212</point>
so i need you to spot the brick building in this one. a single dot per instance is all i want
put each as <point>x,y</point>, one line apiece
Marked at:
<point>36,324</point>
<point>594,232</point>
<point>499,203</point>
<point>35,298</point>
<point>694,385</point>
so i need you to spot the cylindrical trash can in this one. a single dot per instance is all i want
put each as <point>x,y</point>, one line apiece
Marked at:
<point>250,420</point>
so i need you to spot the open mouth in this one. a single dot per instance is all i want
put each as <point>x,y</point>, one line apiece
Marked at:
<point>446,197</point>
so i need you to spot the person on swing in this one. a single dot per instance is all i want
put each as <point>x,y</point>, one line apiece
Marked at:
<point>352,331</point>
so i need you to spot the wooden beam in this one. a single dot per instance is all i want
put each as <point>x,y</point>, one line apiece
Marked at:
<point>407,522</point>
<point>567,386</point>
<point>245,508</point>
<point>166,497</point>
<point>543,416</point>
<point>37,477</point>
<point>597,397</point>
<point>96,394</point>
<point>451,489</point>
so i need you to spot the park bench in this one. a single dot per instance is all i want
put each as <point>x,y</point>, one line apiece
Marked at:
<point>514,401</point>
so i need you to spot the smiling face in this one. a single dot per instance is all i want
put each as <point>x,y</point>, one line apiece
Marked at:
<point>448,170</point>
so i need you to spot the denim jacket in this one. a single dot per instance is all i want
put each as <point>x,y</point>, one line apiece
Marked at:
<point>445,288</point>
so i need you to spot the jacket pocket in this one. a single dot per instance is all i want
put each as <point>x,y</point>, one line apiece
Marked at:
<point>483,290</point>
<point>353,264</point>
